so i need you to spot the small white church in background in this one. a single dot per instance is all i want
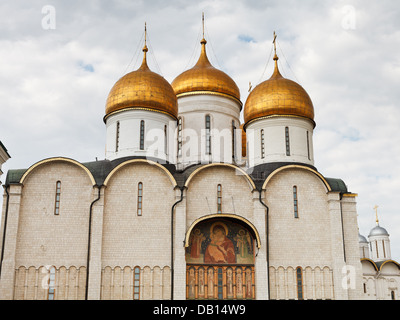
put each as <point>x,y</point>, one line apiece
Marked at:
<point>191,203</point>
<point>381,277</point>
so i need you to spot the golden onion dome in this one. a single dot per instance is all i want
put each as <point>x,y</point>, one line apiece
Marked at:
<point>142,89</point>
<point>203,78</point>
<point>278,96</point>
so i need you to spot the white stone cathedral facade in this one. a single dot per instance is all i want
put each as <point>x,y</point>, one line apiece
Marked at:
<point>189,203</point>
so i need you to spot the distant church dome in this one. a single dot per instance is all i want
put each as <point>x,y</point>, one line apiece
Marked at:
<point>142,89</point>
<point>278,96</point>
<point>362,239</point>
<point>204,78</point>
<point>378,231</point>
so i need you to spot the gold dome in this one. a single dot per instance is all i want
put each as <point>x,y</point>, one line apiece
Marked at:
<point>142,89</point>
<point>278,96</point>
<point>203,78</point>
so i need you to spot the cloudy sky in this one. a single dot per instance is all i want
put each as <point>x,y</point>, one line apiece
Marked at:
<point>59,60</point>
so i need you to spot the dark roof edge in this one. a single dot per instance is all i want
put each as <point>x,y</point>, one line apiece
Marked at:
<point>5,149</point>
<point>100,169</point>
<point>14,176</point>
<point>261,172</point>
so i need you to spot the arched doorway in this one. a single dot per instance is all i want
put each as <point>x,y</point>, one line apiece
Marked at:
<point>220,255</point>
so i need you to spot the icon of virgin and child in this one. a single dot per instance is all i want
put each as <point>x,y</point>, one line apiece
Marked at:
<point>216,247</point>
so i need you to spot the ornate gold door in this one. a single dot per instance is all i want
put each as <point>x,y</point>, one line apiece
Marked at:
<point>220,282</point>
<point>220,261</point>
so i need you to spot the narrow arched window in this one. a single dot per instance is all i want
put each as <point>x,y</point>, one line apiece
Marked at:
<point>392,295</point>
<point>179,136</point>
<point>165,140</point>
<point>136,284</point>
<point>233,140</point>
<point>142,135</point>
<point>308,145</point>
<point>219,198</point>
<point>117,137</point>
<point>51,284</point>
<point>262,144</point>
<point>295,202</point>
<point>383,247</point>
<point>287,141</point>
<point>299,281</point>
<point>57,199</point>
<point>140,199</point>
<point>208,134</point>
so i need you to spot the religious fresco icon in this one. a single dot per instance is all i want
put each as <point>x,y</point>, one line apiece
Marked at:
<point>220,242</point>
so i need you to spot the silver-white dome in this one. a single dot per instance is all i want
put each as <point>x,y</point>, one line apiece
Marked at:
<point>362,239</point>
<point>378,231</point>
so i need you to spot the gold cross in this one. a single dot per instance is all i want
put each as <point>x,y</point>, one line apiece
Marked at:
<point>376,214</point>
<point>274,42</point>
<point>145,33</point>
<point>202,18</point>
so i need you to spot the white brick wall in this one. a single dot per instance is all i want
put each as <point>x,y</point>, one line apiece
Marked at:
<point>129,239</point>
<point>43,237</point>
<point>303,241</point>
<point>122,240</point>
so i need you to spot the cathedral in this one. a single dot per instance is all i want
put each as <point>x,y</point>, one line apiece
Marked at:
<point>381,274</point>
<point>190,202</point>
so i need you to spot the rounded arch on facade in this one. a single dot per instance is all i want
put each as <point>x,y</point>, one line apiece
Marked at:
<point>141,161</point>
<point>233,217</point>
<point>371,262</point>
<point>57,159</point>
<point>238,170</point>
<point>296,166</point>
<point>389,261</point>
